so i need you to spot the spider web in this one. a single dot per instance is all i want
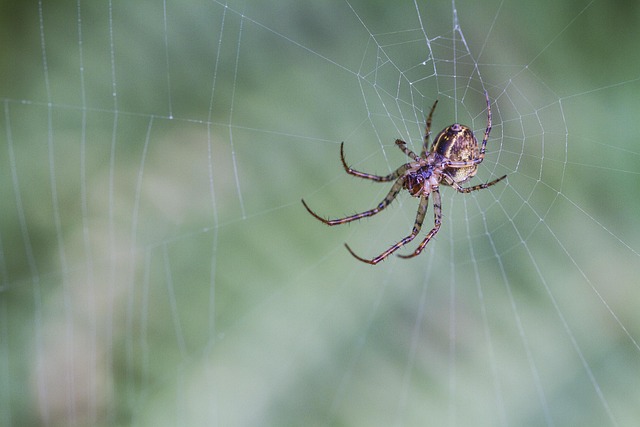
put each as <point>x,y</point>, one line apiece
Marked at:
<point>157,267</point>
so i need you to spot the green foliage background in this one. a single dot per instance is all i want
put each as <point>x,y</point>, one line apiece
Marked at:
<point>157,267</point>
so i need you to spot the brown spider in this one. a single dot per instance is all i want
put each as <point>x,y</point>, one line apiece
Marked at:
<point>452,160</point>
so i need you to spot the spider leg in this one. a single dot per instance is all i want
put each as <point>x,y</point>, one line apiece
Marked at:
<point>460,189</point>
<point>437,214</point>
<point>422,210</point>
<point>488,129</point>
<point>394,175</point>
<point>383,204</point>
<point>403,146</point>
<point>427,132</point>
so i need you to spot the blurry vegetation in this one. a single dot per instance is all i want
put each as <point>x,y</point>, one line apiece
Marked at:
<point>175,277</point>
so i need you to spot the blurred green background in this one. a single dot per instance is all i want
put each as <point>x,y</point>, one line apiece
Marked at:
<point>157,267</point>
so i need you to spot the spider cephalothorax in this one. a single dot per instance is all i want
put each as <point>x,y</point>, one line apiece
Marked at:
<point>452,160</point>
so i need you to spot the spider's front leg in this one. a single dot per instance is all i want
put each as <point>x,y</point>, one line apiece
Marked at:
<point>393,193</point>
<point>422,210</point>
<point>437,215</point>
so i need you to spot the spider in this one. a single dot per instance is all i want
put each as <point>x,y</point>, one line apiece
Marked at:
<point>452,160</point>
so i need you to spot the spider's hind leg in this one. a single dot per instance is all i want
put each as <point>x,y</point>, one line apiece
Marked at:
<point>403,146</point>
<point>482,186</point>
<point>427,132</point>
<point>393,175</point>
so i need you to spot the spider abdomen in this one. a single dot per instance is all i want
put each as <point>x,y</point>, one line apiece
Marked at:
<point>458,143</point>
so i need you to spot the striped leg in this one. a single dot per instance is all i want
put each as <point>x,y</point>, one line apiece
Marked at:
<point>383,204</point>
<point>422,210</point>
<point>427,132</point>
<point>437,214</point>
<point>394,175</point>
<point>482,186</point>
